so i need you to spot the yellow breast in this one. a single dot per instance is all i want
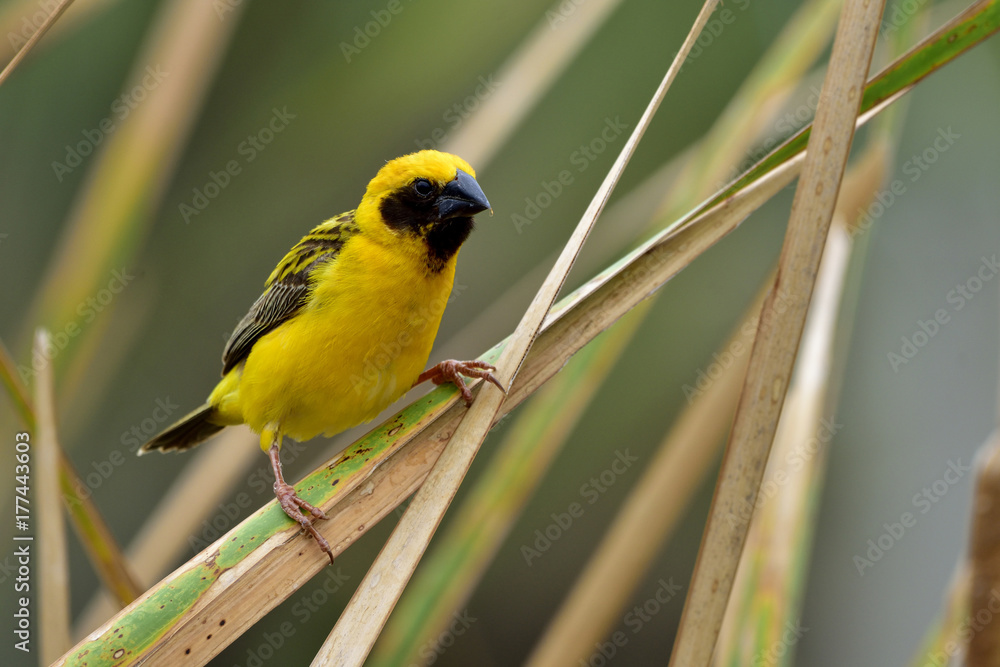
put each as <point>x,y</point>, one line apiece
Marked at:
<point>358,345</point>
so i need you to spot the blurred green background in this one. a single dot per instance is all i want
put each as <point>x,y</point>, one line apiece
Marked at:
<point>162,336</point>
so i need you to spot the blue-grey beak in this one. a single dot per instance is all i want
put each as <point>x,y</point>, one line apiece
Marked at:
<point>461,198</point>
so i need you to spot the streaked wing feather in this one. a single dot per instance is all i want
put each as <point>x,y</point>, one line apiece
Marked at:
<point>287,288</point>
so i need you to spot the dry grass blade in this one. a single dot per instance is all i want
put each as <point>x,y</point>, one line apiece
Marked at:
<point>30,44</point>
<point>53,577</point>
<point>652,508</point>
<point>95,535</point>
<point>643,523</point>
<point>358,628</point>
<point>770,574</point>
<point>101,546</point>
<point>774,352</point>
<point>20,19</point>
<point>984,559</point>
<point>761,622</point>
<point>646,519</point>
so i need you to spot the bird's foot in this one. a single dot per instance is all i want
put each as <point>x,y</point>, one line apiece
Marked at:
<point>293,506</point>
<point>452,371</point>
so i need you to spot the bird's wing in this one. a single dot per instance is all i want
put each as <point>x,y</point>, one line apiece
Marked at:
<point>287,289</point>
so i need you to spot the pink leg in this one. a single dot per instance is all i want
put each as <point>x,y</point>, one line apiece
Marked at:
<point>291,503</point>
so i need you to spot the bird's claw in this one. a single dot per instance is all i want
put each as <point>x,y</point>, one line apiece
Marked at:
<point>291,504</point>
<point>452,371</point>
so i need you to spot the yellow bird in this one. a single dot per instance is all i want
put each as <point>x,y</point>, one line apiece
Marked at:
<point>347,319</point>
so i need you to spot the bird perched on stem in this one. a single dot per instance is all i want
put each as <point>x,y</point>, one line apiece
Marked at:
<point>347,319</point>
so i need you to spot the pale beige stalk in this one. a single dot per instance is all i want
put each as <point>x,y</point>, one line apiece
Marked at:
<point>30,44</point>
<point>774,352</point>
<point>53,565</point>
<point>648,516</point>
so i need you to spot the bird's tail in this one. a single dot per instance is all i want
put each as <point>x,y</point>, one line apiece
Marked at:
<point>192,429</point>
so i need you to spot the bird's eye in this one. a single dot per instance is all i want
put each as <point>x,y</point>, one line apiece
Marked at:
<point>423,187</point>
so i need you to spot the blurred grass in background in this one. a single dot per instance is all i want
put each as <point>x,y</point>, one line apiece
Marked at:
<point>344,115</point>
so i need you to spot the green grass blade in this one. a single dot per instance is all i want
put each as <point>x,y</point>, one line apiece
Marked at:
<point>16,390</point>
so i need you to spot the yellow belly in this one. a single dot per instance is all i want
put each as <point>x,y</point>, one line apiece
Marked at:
<point>358,346</point>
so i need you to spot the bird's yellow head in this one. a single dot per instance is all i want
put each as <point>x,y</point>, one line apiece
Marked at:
<point>427,198</point>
